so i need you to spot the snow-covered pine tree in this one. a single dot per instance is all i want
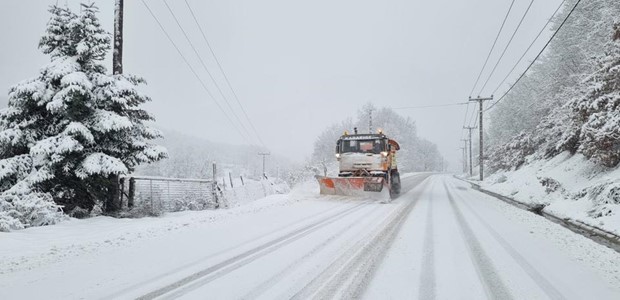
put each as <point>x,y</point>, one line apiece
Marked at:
<point>70,131</point>
<point>56,41</point>
<point>22,124</point>
<point>597,113</point>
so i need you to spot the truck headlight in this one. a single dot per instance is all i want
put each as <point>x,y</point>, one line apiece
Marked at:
<point>337,155</point>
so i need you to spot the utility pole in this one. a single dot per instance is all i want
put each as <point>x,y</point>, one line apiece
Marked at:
<point>465,154</point>
<point>117,55</point>
<point>463,158</point>
<point>471,162</point>
<point>264,154</point>
<point>370,110</point>
<point>114,201</point>
<point>481,132</point>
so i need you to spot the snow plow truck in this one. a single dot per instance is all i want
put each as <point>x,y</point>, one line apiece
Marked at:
<point>367,167</point>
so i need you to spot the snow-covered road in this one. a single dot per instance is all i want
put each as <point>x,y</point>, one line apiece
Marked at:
<point>439,240</point>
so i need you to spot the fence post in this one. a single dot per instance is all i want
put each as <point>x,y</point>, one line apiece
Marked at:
<point>132,192</point>
<point>241,176</point>
<point>224,183</point>
<point>112,197</point>
<point>214,187</point>
<point>214,171</point>
<point>151,196</point>
<point>122,191</point>
<point>168,197</point>
<point>231,181</point>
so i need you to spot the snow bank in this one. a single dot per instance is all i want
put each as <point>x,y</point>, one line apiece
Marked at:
<point>569,186</point>
<point>40,246</point>
<point>251,190</point>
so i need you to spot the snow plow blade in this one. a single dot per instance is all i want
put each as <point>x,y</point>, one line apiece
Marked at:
<point>366,187</point>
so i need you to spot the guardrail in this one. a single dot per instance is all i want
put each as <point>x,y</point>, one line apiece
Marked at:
<point>155,195</point>
<point>594,233</point>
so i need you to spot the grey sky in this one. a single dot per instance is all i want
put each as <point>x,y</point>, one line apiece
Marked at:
<point>298,66</point>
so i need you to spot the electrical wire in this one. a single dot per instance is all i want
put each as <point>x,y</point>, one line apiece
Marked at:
<point>217,61</point>
<point>537,56</point>
<point>530,46</point>
<point>204,65</point>
<point>492,47</point>
<point>431,106</point>
<point>204,86</point>
<point>465,119</point>
<point>507,46</point>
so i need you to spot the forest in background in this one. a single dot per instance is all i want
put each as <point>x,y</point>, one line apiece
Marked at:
<point>569,100</point>
<point>416,154</point>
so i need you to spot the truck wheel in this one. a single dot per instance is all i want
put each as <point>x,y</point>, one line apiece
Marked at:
<point>395,184</point>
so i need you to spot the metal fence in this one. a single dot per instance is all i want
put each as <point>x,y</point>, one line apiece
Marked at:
<point>155,195</point>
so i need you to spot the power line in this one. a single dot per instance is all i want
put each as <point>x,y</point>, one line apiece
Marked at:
<point>537,56</point>
<point>431,106</point>
<point>486,61</point>
<point>530,46</point>
<point>473,119</point>
<point>507,45</point>
<point>204,86</point>
<point>492,47</point>
<point>204,65</point>
<point>217,61</point>
<point>465,119</point>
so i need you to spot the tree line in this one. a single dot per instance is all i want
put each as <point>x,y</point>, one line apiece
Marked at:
<point>416,154</point>
<point>570,100</point>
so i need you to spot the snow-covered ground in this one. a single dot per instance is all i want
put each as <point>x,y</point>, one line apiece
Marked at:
<point>250,190</point>
<point>574,188</point>
<point>440,239</point>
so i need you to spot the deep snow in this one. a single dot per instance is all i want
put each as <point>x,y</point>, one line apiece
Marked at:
<point>585,191</point>
<point>301,244</point>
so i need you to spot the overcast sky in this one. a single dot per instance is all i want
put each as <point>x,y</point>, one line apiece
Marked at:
<point>298,66</point>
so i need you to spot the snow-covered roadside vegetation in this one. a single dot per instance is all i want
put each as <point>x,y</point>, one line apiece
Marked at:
<point>74,237</point>
<point>555,139</point>
<point>568,186</point>
<point>69,132</point>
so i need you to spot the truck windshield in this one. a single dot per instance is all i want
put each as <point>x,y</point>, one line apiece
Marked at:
<point>363,146</point>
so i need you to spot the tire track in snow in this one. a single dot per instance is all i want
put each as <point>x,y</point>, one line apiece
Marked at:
<point>263,287</point>
<point>493,285</point>
<point>410,182</point>
<point>350,274</point>
<point>193,281</point>
<point>427,276</point>
<point>210,256</point>
<point>538,278</point>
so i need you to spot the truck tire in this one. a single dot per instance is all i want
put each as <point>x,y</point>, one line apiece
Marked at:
<point>395,184</point>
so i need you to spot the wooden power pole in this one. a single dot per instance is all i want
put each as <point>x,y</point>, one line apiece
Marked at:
<point>264,154</point>
<point>471,162</point>
<point>481,132</point>
<point>465,155</point>
<point>117,54</point>
<point>114,199</point>
<point>463,158</point>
